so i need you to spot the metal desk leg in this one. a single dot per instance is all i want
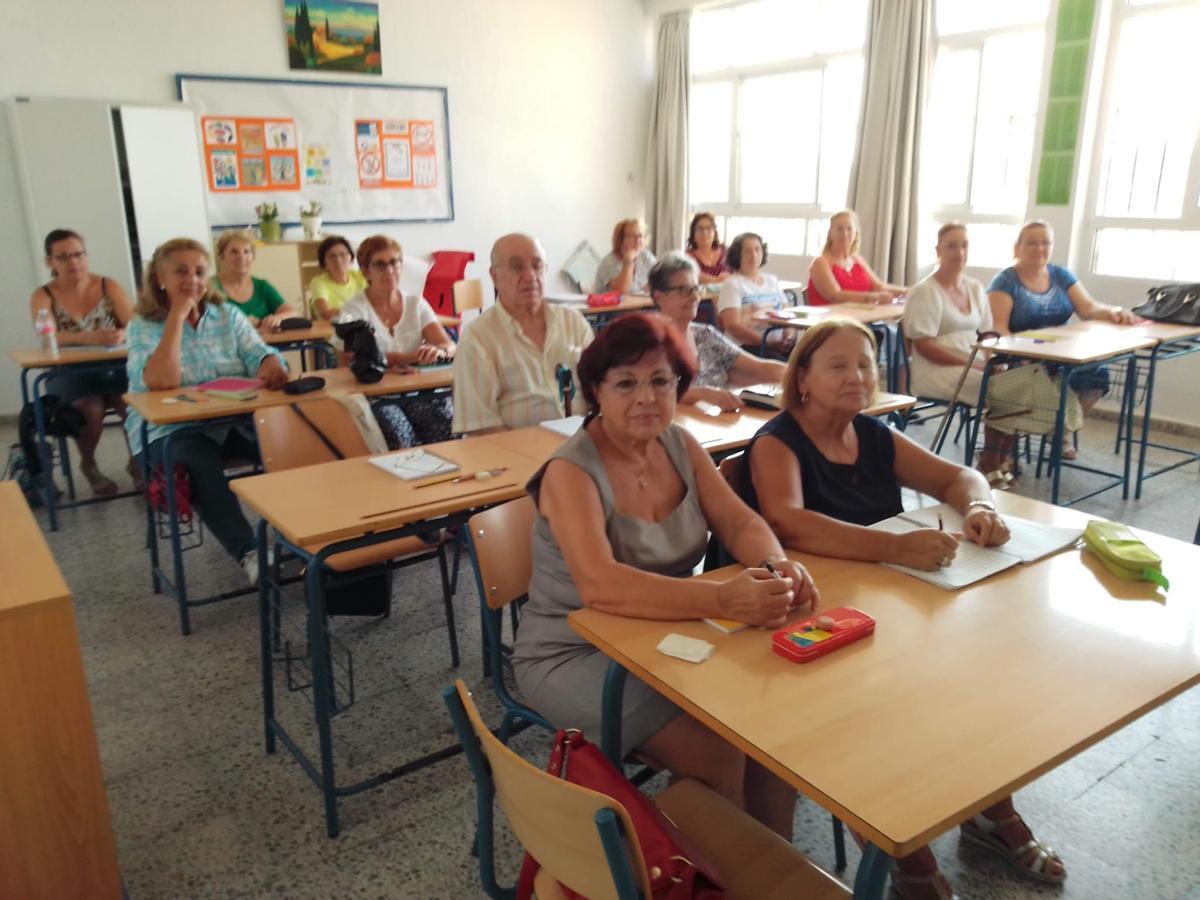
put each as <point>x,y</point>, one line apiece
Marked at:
<point>265,631</point>
<point>185,623</point>
<point>43,449</point>
<point>151,531</point>
<point>1060,421</point>
<point>1150,374</point>
<point>318,649</point>
<point>871,880</point>
<point>612,700</point>
<point>1125,422</point>
<point>973,429</point>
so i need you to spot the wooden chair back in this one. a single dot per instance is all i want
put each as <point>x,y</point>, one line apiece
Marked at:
<point>501,538</point>
<point>733,470</point>
<point>468,294</point>
<point>555,820</point>
<point>287,441</point>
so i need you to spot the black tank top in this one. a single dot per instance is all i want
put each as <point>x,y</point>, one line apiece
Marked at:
<point>862,493</point>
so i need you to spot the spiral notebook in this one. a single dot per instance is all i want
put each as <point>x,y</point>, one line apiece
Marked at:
<point>1028,542</point>
<point>410,465</point>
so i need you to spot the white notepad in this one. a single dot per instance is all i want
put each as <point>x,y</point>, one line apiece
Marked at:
<point>1028,542</point>
<point>567,426</point>
<point>412,464</point>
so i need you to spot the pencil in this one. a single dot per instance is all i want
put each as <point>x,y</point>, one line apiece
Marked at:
<point>941,524</point>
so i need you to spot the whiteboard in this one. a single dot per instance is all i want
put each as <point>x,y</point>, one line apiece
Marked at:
<point>367,153</point>
<point>160,142</point>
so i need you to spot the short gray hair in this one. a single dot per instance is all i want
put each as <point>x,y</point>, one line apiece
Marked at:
<point>668,265</point>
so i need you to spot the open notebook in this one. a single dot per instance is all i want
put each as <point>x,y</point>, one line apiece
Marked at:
<point>410,465</point>
<point>1028,542</point>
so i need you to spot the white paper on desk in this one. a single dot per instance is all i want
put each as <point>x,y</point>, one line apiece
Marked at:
<point>566,298</point>
<point>566,427</point>
<point>971,562</point>
<point>1028,541</point>
<point>412,464</point>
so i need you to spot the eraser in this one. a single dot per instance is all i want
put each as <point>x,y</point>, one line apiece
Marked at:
<point>686,648</point>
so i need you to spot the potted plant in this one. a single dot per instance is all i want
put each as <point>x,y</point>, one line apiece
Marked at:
<point>268,221</point>
<point>310,218</point>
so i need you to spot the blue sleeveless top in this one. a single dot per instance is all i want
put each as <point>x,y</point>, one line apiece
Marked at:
<point>861,493</point>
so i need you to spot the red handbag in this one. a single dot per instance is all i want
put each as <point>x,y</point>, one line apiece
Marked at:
<point>677,871</point>
<point>601,301</point>
<point>156,493</point>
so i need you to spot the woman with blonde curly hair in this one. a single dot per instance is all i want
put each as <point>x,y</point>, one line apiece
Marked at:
<point>627,269</point>
<point>185,334</point>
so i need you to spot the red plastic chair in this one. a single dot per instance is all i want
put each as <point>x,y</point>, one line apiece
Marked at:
<point>449,266</point>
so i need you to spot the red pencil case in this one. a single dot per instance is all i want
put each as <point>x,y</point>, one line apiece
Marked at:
<point>823,633</point>
<point>599,301</point>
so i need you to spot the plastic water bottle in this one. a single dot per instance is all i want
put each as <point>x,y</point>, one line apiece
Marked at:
<point>44,326</point>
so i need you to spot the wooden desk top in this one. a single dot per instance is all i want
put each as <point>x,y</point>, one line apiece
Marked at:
<point>958,699</point>
<point>31,576</point>
<point>351,497</point>
<point>37,358</point>
<point>150,405</point>
<point>629,303</point>
<point>806,316</point>
<point>1070,346</point>
<point>716,431</point>
<point>1160,332</point>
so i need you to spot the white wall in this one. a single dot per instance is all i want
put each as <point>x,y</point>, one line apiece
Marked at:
<point>549,102</point>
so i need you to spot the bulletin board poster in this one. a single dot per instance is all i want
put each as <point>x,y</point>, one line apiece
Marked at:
<point>366,153</point>
<point>242,154</point>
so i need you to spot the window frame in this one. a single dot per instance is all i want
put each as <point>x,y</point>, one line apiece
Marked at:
<point>1093,222</point>
<point>736,76</point>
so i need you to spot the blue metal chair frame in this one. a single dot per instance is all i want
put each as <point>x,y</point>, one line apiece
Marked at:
<point>607,824</point>
<point>322,771</point>
<point>1056,461</point>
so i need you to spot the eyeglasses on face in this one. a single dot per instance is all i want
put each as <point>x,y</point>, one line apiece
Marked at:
<point>69,257</point>
<point>382,265</point>
<point>684,290</point>
<point>659,384</point>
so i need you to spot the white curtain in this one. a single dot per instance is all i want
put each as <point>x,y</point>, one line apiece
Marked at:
<point>667,157</point>
<point>883,179</point>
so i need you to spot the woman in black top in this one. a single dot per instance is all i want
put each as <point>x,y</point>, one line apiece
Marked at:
<point>820,471</point>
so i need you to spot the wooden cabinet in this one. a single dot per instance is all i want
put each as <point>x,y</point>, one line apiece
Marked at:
<point>56,838</point>
<point>289,266</point>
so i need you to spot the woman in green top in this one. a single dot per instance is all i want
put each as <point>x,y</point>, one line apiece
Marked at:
<point>255,297</point>
<point>338,281</point>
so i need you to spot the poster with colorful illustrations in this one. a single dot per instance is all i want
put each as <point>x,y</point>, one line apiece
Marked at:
<point>318,165</point>
<point>395,153</point>
<point>251,154</point>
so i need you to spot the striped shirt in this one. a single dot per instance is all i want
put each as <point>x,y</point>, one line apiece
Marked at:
<point>223,344</point>
<point>501,378</point>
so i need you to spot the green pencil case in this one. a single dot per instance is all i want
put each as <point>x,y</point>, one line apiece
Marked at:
<point>1123,553</point>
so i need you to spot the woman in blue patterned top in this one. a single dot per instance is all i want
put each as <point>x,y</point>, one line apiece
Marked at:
<point>720,361</point>
<point>1035,293</point>
<point>186,334</point>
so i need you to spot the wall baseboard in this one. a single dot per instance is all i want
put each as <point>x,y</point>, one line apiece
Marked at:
<point>1168,426</point>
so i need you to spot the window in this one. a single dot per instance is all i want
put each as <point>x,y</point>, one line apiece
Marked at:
<point>977,144</point>
<point>776,90</point>
<point>1146,186</point>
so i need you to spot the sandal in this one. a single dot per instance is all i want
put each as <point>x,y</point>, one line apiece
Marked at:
<point>998,479</point>
<point>102,486</point>
<point>933,886</point>
<point>1031,858</point>
<point>135,473</point>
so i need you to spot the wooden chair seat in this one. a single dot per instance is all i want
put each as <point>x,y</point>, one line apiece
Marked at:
<point>752,861</point>
<point>379,553</point>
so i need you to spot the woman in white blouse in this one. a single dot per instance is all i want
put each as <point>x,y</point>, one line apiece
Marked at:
<point>408,333</point>
<point>941,317</point>
<point>748,291</point>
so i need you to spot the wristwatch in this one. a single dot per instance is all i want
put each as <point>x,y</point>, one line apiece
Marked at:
<point>981,504</point>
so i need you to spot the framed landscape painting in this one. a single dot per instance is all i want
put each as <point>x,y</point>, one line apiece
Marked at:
<point>333,36</point>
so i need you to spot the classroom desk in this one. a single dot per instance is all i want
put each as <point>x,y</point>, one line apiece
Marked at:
<point>164,408</point>
<point>58,838</point>
<point>88,360</point>
<point>600,315</point>
<point>905,734</point>
<point>318,511</point>
<point>719,433</point>
<point>1067,348</point>
<point>874,316</point>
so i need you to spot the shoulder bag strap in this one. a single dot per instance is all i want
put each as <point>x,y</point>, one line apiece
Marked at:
<point>317,431</point>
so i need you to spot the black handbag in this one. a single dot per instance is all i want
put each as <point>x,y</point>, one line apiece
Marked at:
<point>1178,303</point>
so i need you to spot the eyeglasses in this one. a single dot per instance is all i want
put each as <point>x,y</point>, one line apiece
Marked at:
<point>517,268</point>
<point>380,265</point>
<point>70,257</point>
<point>689,290</point>
<point>659,384</point>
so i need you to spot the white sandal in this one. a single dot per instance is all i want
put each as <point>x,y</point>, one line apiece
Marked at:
<point>935,881</point>
<point>1031,858</point>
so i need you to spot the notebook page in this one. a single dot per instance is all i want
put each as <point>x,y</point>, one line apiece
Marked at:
<point>971,563</point>
<point>1028,541</point>
<point>412,464</point>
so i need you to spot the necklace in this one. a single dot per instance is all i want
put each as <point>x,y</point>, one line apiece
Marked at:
<point>639,472</point>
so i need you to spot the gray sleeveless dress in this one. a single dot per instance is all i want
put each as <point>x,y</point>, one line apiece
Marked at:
<point>559,673</point>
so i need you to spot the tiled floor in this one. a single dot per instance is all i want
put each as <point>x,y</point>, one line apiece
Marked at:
<point>201,811</point>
